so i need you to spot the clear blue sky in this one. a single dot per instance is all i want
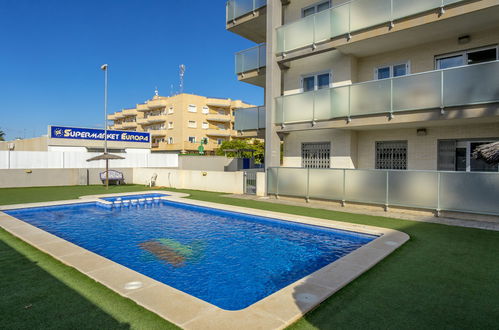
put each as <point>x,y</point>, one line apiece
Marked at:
<point>51,51</point>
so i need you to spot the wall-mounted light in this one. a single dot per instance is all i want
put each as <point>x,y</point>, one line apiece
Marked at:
<point>422,132</point>
<point>463,39</point>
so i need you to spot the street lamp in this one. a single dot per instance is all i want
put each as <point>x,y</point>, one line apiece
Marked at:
<point>104,68</point>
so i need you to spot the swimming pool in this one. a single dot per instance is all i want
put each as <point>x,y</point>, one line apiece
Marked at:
<point>228,259</point>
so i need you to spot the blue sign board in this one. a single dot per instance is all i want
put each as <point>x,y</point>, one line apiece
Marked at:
<point>59,132</point>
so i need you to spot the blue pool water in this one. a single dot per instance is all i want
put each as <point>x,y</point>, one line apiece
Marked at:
<point>130,197</point>
<point>228,259</point>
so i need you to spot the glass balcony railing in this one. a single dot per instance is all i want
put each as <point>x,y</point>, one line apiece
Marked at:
<point>473,192</point>
<point>238,8</point>
<point>465,85</point>
<point>249,119</point>
<point>347,18</point>
<point>251,59</point>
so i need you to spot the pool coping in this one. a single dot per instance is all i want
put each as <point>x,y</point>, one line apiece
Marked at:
<point>275,311</point>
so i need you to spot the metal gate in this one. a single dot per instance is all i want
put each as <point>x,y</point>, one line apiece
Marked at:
<point>250,182</point>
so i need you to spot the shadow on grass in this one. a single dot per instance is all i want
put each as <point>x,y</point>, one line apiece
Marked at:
<point>444,277</point>
<point>32,298</point>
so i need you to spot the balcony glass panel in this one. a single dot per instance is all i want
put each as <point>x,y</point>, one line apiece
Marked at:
<point>245,119</point>
<point>261,117</point>
<point>419,91</point>
<point>471,84</point>
<point>251,59</point>
<point>340,20</point>
<point>298,107</point>
<point>404,8</point>
<point>322,26</point>
<point>326,184</point>
<point>366,13</point>
<point>322,104</point>
<point>279,111</point>
<point>370,98</point>
<point>292,181</point>
<point>340,101</point>
<point>413,188</point>
<point>469,192</point>
<point>368,186</point>
<point>237,8</point>
<point>296,35</point>
<point>272,180</point>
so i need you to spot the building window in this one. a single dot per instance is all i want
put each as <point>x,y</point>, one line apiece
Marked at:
<point>220,141</point>
<point>205,110</point>
<point>316,155</point>
<point>170,140</point>
<point>457,155</point>
<point>170,110</point>
<point>390,71</point>
<point>472,56</point>
<point>316,81</point>
<point>170,124</point>
<point>391,155</point>
<point>315,8</point>
<point>192,124</point>
<point>205,125</point>
<point>192,108</point>
<point>205,140</point>
<point>192,139</point>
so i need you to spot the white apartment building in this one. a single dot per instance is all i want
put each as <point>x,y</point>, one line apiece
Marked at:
<point>371,85</point>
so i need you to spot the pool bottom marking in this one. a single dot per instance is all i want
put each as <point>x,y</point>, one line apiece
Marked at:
<point>173,252</point>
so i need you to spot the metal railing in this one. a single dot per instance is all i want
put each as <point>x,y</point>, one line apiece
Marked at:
<point>465,85</point>
<point>249,118</point>
<point>251,59</point>
<point>471,192</point>
<point>348,17</point>
<point>238,8</point>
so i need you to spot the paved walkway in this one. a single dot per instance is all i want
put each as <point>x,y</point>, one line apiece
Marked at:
<point>488,225</point>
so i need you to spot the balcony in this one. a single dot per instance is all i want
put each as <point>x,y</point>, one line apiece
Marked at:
<point>158,132</point>
<point>472,192</point>
<point>117,126</point>
<point>250,64</point>
<point>142,107</point>
<point>157,104</point>
<point>220,118</point>
<point>157,119</point>
<point>111,117</point>
<point>249,119</point>
<point>218,103</point>
<point>346,24</point>
<point>247,18</point>
<point>129,112</point>
<point>142,121</point>
<point>455,87</point>
<point>129,124</point>
<point>218,132</point>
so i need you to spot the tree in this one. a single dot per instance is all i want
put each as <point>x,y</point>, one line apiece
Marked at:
<point>2,135</point>
<point>239,144</point>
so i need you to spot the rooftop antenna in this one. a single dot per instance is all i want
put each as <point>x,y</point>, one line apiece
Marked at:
<point>156,92</point>
<point>182,72</point>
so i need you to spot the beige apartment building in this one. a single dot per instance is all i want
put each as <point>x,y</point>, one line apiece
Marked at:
<point>371,84</point>
<point>181,122</point>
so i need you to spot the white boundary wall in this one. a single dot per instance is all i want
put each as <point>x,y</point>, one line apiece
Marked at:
<point>227,182</point>
<point>59,159</point>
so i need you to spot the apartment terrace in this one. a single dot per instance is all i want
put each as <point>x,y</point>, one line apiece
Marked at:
<point>247,18</point>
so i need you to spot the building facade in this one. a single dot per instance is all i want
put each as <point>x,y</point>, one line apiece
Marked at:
<point>371,84</point>
<point>180,123</point>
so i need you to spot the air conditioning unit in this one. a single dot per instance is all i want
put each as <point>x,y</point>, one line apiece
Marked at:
<point>11,146</point>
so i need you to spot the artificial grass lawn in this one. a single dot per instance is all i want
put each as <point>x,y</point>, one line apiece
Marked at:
<point>444,277</point>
